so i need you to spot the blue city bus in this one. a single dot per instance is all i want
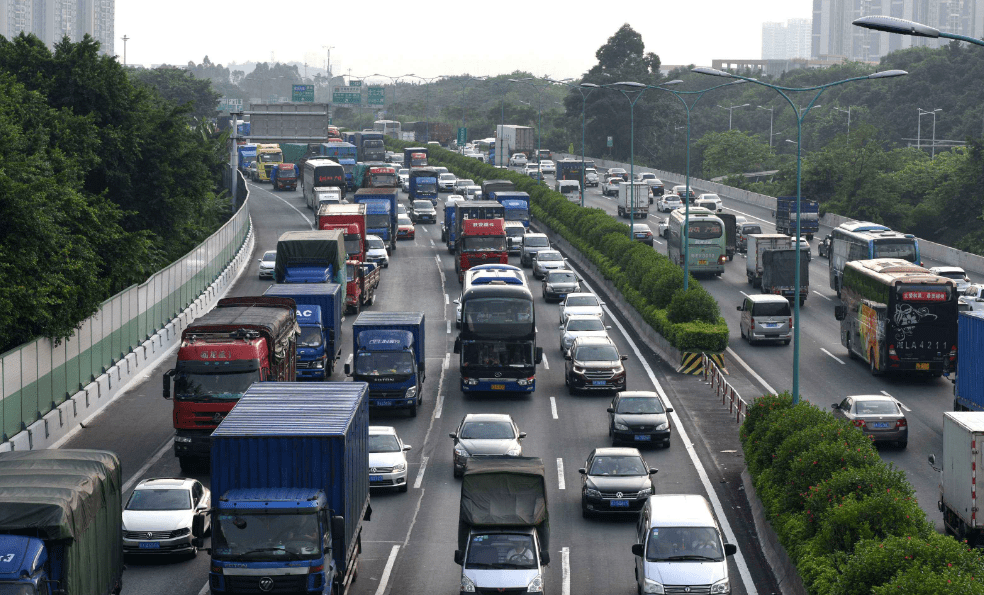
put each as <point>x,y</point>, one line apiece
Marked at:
<point>863,240</point>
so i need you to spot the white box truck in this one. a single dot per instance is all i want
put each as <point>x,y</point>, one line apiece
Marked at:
<point>963,445</point>
<point>633,198</point>
<point>511,139</point>
<point>758,243</point>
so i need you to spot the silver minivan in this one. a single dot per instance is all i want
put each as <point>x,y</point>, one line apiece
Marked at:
<point>766,318</point>
<point>679,548</point>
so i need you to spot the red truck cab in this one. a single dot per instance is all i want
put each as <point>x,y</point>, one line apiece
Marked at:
<point>241,341</point>
<point>383,177</point>
<point>483,241</point>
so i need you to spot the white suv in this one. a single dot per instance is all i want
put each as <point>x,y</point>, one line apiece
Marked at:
<point>668,202</point>
<point>517,159</point>
<point>711,202</point>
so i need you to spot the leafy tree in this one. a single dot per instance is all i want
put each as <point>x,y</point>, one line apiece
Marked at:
<point>732,152</point>
<point>181,87</point>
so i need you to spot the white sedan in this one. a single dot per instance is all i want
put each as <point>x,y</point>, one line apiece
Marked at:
<point>581,304</point>
<point>581,326</point>
<point>668,202</point>
<point>548,167</point>
<point>387,459</point>
<point>517,159</point>
<point>160,513</point>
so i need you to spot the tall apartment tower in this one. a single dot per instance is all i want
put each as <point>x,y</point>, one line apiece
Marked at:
<point>50,20</point>
<point>786,41</point>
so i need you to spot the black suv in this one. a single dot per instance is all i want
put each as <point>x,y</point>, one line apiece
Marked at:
<point>593,364</point>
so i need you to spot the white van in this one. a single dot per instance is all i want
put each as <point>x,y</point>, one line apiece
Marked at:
<point>679,547</point>
<point>571,189</point>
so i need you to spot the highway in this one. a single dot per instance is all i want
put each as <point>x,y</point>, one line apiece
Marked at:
<point>827,374</point>
<point>409,542</point>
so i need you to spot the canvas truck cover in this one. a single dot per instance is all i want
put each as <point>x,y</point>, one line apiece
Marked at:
<point>311,248</point>
<point>273,316</point>
<point>504,492</point>
<point>72,497</point>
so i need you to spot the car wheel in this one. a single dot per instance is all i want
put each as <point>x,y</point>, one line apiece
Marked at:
<point>457,473</point>
<point>786,342</point>
<point>666,443</point>
<point>871,363</point>
<point>585,513</point>
<point>403,488</point>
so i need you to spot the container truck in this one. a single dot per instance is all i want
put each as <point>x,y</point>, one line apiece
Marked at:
<point>502,511</point>
<point>283,176</point>
<point>247,155</point>
<point>371,146</point>
<point>267,155</point>
<point>415,157</point>
<point>510,139</point>
<point>779,273</point>
<point>290,478</point>
<point>968,383</point>
<point>633,200</point>
<point>786,216</point>
<point>963,434</point>
<point>319,317</point>
<point>380,212</point>
<point>388,353</point>
<point>351,220</point>
<point>310,257</point>
<point>374,175</point>
<point>423,184</point>
<point>570,169</point>
<point>241,341</point>
<point>344,154</point>
<point>482,241</point>
<point>516,205</point>
<point>757,244</point>
<point>60,529</point>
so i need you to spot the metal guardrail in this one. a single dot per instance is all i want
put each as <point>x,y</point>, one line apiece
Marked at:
<point>38,376</point>
<point>715,377</point>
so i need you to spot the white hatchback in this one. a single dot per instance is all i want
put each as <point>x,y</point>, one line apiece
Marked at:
<point>518,159</point>
<point>387,459</point>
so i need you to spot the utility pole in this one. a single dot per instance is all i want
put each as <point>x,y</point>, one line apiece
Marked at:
<point>125,39</point>
<point>328,103</point>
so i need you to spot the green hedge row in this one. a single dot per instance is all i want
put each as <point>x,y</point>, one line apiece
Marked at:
<point>849,521</point>
<point>690,321</point>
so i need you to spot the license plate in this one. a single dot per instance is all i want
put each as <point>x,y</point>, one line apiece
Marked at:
<point>879,425</point>
<point>922,366</point>
<point>375,478</point>
<point>599,382</point>
<point>150,545</point>
<point>498,387</point>
<point>384,403</point>
<point>771,325</point>
<point>618,503</point>
<point>701,262</point>
<point>643,438</point>
<point>562,295</point>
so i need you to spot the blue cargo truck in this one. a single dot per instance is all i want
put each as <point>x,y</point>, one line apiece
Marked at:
<point>60,529</point>
<point>516,205</point>
<point>448,231</point>
<point>290,485</point>
<point>319,314</point>
<point>380,212</point>
<point>371,145</point>
<point>423,184</point>
<point>344,154</point>
<point>310,257</point>
<point>786,216</point>
<point>389,355</point>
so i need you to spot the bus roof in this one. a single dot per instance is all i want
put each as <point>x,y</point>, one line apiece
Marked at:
<point>890,270</point>
<point>862,226</point>
<point>497,290</point>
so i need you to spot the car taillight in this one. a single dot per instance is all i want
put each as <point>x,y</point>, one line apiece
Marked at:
<point>891,352</point>
<point>790,322</point>
<point>722,259</point>
<point>901,423</point>
<point>752,324</point>
<point>859,423</point>
<point>953,353</point>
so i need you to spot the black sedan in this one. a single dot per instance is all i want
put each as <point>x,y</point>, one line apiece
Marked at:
<point>615,480</point>
<point>639,417</point>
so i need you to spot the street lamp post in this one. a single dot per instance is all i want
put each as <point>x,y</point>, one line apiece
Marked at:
<point>584,96</point>
<point>922,113</point>
<point>732,109</point>
<point>800,115</point>
<point>464,85</point>
<point>539,120</point>
<point>772,113</point>
<point>639,88</point>
<point>848,112</point>
<point>904,27</point>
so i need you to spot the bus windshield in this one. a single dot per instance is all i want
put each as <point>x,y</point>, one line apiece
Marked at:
<point>497,354</point>
<point>498,316</point>
<point>705,230</point>
<point>904,249</point>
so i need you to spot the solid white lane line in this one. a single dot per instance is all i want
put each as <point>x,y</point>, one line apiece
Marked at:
<point>205,589</point>
<point>432,242</point>
<point>146,466</point>
<point>560,475</point>
<point>822,295</point>
<point>281,199</point>
<point>839,360</point>
<point>750,216</point>
<point>546,364</point>
<point>420,474</point>
<point>449,327</point>
<point>565,572</point>
<point>754,374</point>
<point>553,407</point>
<point>387,570</point>
<point>447,300</point>
<point>901,404</point>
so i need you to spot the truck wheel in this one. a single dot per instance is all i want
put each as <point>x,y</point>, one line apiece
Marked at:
<point>413,408</point>
<point>871,363</point>
<point>809,237</point>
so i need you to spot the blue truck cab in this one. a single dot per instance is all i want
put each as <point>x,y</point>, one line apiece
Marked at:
<point>389,354</point>
<point>448,231</point>
<point>516,205</point>
<point>247,155</point>
<point>380,212</point>
<point>290,474</point>
<point>24,564</point>
<point>319,314</point>
<point>423,184</point>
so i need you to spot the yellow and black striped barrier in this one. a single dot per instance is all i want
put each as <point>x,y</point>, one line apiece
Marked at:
<point>693,363</point>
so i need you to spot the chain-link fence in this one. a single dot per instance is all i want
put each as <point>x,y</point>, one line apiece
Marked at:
<point>38,376</point>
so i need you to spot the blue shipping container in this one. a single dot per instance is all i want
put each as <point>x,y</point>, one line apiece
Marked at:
<point>969,391</point>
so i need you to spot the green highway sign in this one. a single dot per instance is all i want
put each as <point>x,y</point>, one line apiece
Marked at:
<point>302,93</point>
<point>228,104</point>
<point>347,95</point>
<point>376,96</point>
<point>462,136</point>
<point>609,141</point>
<point>355,83</point>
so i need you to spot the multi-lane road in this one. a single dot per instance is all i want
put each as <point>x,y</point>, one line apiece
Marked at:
<point>409,543</point>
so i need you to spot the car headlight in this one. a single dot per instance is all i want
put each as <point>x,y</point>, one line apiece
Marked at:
<point>400,467</point>
<point>536,585</point>
<point>721,586</point>
<point>621,426</point>
<point>645,492</point>
<point>411,392</point>
<point>592,493</point>
<point>652,586</point>
<point>514,451</point>
<point>467,586</point>
<point>662,426</point>
<point>460,451</point>
<point>182,532</point>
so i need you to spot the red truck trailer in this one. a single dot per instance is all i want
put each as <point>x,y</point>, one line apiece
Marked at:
<point>482,241</point>
<point>241,341</point>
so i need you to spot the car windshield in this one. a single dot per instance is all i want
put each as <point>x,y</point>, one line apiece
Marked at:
<point>383,443</point>
<point>583,300</point>
<point>375,244</point>
<point>465,182</point>
<point>617,466</point>
<point>545,256</point>
<point>422,205</point>
<point>536,242</point>
<point>397,364</point>
<point>515,232</point>
<point>699,544</point>
<point>561,277</point>
<point>596,353</point>
<point>266,537</point>
<point>589,324</point>
<point>270,256</point>
<point>447,176</point>
<point>750,229</point>
<point>159,499</point>
<point>498,551</point>
<point>958,275</point>
<point>876,408</point>
<point>403,220</point>
<point>487,430</point>
<point>404,172</point>
<point>310,337</point>
<point>639,405</point>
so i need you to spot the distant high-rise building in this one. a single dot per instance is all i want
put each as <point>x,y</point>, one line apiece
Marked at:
<point>51,20</point>
<point>835,36</point>
<point>786,41</point>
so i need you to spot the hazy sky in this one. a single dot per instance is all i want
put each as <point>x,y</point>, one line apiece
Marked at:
<point>442,37</point>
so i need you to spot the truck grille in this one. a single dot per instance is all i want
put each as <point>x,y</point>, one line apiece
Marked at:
<point>387,394</point>
<point>307,365</point>
<point>154,535</point>
<point>691,590</point>
<point>598,374</point>
<point>295,583</point>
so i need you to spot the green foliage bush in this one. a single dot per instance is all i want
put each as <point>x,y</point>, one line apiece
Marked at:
<point>849,521</point>
<point>690,321</point>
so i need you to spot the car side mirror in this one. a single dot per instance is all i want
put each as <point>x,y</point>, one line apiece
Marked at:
<point>840,312</point>
<point>459,557</point>
<point>624,357</point>
<point>637,549</point>
<point>669,410</point>
<point>454,436</point>
<point>932,460</point>
<point>407,447</point>
<point>835,406</point>
<point>739,308</point>
<point>582,471</point>
<point>522,435</point>
<point>611,410</point>
<point>730,549</point>
<point>653,471</point>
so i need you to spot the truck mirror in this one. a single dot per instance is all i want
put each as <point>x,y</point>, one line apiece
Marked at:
<point>198,542</point>
<point>932,460</point>
<point>637,549</point>
<point>457,345</point>
<point>539,355</point>
<point>459,557</point>
<point>544,557</point>
<point>337,526</point>
<point>730,549</point>
<point>840,312</point>
<point>348,369</point>
<point>739,308</point>
<point>167,383</point>
<point>198,525</point>
<point>834,406</point>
